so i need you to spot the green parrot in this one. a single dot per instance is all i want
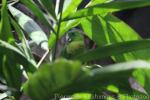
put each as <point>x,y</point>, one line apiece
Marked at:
<point>75,45</point>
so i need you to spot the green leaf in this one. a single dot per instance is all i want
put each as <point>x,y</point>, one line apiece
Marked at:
<point>94,2</point>
<point>67,77</point>
<point>5,28</point>
<point>70,6</point>
<point>6,49</point>
<point>50,78</point>
<point>49,7</point>
<point>37,12</point>
<point>24,45</point>
<point>65,26</point>
<point>121,31</point>
<point>142,77</point>
<point>1,63</point>
<point>31,27</point>
<point>4,95</point>
<point>61,5</point>
<point>10,65</point>
<point>11,72</point>
<point>105,8</point>
<point>108,30</point>
<point>118,75</point>
<point>95,29</point>
<point>113,50</point>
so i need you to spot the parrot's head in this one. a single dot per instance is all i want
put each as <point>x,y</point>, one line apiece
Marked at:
<point>75,36</point>
<point>74,45</point>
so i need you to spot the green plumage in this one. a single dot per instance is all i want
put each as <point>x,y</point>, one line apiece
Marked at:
<point>74,46</point>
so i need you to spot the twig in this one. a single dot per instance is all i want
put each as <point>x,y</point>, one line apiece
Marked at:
<point>42,59</point>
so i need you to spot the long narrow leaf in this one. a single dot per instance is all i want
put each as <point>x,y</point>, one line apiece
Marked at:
<point>106,8</point>
<point>31,27</point>
<point>28,66</point>
<point>11,61</point>
<point>25,46</point>
<point>108,30</point>
<point>49,7</point>
<point>5,28</point>
<point>119,75</point>
<point>35,9</point>
<point>70,6</point>
<point>113,50</point>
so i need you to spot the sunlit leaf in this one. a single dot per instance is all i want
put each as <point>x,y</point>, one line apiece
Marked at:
<point>37,12</point>
<point>113,50</point>
<point>104,9</point>
<point>108,30</point>
<point>31,27</point>
<point>24,45</point>
<point>70,6</point>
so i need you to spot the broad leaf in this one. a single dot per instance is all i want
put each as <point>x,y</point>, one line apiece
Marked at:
<point>50,78</point>
<point>60,78</point>
<point>70,6</point>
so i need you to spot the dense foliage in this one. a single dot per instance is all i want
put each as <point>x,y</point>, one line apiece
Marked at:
<point>72,69</point>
